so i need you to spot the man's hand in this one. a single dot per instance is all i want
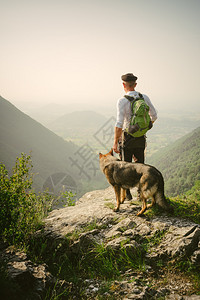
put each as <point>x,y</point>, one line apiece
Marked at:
<point>118,133</point>
<point>115,147</point>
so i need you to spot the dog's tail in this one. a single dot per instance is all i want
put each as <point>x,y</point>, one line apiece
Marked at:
<point>162,202</point>
<point>160,198</point>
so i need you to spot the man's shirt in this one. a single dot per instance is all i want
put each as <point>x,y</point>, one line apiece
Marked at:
<point>124,112</point>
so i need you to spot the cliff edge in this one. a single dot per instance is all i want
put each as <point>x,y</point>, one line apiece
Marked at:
<point>101,254</point>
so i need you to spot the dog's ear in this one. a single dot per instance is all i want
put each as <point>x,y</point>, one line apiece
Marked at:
<point>111,151</point>
<point>100,155</point>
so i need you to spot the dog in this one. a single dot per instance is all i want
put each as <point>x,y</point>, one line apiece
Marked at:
<point>124,175</point>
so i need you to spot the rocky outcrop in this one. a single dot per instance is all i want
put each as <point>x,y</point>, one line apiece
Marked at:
<point>166,239</point>
<point>178,238</point>
<point>26,280</point>
<point>158,241</point>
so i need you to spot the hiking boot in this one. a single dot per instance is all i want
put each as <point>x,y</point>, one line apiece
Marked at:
<point>128,195</point>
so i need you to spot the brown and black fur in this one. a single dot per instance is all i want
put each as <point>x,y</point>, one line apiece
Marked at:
<point>123,175</point>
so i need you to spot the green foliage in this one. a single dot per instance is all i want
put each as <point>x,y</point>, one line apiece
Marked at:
<point>106,263</point>
<point>58,291</point>
<point>89,227</point>
<point>188,205</point>
<point>21,210</point>
<point>187,268</point>
<point>93,261</point>
<point>110,205</point>
<point>179,163</point>
<point>69,198</point>
<point>154,211</point>
<point>97,261</point>
<point>156,238</point>
<point>66,198</point>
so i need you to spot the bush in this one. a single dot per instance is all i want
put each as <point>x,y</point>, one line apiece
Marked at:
<point>21,210</point>
<point>188,205</point>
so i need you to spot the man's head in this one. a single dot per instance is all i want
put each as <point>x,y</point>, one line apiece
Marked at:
<point>129,82</point>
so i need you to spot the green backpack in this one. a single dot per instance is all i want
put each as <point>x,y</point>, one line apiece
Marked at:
<point>140,120</point>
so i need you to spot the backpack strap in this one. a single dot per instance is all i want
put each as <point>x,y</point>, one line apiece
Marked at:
<point>141,96</point>
<point>133,99</point>
<point>130,98</point>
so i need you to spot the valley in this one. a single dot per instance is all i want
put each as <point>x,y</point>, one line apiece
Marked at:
<point>65,148</point>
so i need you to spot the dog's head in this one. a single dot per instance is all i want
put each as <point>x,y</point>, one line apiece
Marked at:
<point>106,159</point>
<point>101,156</point>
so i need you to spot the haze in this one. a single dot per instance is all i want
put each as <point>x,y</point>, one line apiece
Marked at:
<point>76,51</point>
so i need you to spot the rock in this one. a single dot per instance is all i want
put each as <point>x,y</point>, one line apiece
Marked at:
<point>89,208</point>
<point>115,244</point>
<point>132,249</point>
<point>31,280</point>
<point>143,229</point>
<point>193,297</point>
<point>165,237</point>
<point>80,228</point>
<point>173,297</point>
<point>179,242</point>
<point>179,297</point>
<point>195,258</point>
<point>86,241</point>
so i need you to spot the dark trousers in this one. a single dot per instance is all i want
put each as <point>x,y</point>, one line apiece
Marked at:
<point>136,153</point>
<point>133,148</point>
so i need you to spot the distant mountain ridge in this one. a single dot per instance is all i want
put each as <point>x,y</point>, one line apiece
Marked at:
<point>20,133</point>
<point>179,163</point>
<point>77,121</point>
<point>77,118</point>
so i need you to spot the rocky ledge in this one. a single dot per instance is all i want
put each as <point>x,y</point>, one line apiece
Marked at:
<point>162,241</point>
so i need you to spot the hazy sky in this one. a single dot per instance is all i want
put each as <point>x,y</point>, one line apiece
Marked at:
<point>76,51</point>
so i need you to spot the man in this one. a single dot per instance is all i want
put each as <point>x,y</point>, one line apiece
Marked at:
<point>132,147</point>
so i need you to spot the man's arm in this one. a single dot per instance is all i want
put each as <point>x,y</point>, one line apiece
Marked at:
<point>152,110</point>
<point>119,122</point>
<point>118,133</point>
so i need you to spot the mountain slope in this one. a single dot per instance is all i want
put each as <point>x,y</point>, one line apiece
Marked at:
<point>77,123</point>
<point>20,133</point>
<point>77,118</point>
<point>179,163</point>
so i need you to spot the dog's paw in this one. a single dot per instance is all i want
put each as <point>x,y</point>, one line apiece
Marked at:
<point>116,209</point>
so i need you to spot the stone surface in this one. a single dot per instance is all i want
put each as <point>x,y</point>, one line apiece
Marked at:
<point>31,280</point>
<point>181,238</point>
<point>94,222</point>
<point>178,238</point>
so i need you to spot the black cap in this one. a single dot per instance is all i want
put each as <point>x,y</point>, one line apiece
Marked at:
<point>128,77</point>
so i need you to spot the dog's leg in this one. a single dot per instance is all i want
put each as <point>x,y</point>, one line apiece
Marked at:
<point>144,205</point>
<point>153,202</point>
<point>138,194</point>
<point>123,195</point>
<point>117,194</point>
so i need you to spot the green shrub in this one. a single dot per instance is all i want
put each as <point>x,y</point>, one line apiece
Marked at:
<point>188,205</point>
<point>21,210</point>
